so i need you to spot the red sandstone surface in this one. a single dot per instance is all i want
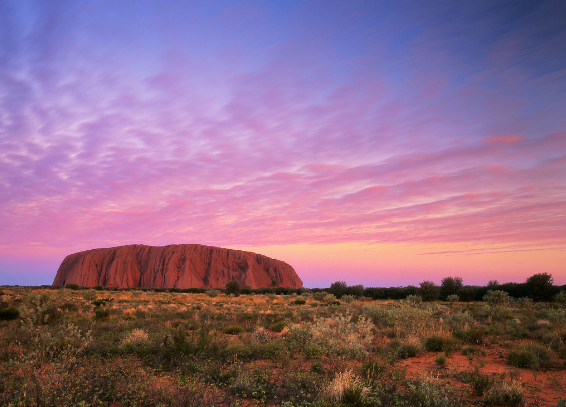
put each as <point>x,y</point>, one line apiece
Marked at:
<point>173,266</point>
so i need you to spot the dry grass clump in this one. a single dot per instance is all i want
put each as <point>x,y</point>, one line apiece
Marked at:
<point>346,388</point>
<point>136,337</point>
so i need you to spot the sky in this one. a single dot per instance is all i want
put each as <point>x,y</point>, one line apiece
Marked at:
<point>381,143</point>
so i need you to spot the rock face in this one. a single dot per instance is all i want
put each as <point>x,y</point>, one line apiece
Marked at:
<point>173,266</point>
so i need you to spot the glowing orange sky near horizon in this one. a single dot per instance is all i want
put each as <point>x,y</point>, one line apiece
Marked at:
<point>384,265</point>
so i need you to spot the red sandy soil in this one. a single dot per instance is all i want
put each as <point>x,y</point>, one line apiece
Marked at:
<point>542,388</point>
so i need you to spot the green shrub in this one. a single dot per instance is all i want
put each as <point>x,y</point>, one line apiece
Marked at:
<point>300,301</point>
<point>39,309</point>
<point>497,297</point>
<point>474,336</point>
<point>373,370</point>
<point>414,299</point>
<point>212,293</point>
<point>479,382</point>
<point>101,302</point>
<point>505,394</point>
<point>560,298</point>
<point>298,336</point>
<point>430,393</point>
<point>7,314</point>
<point>406,351</point>
<point>312,351</point>
<point>72,286</point>
<point>278,326</point>
<point>530,356</point>
<point>453,298</point>
<point>469,351</point>
<point>437,343</point>
<point>441,360</point>
<point>459,321</point>
<point>101,313</point>
<point>233,329</point>
<point>347,298</point>
<point>69,306</point>
<point>253,384</point>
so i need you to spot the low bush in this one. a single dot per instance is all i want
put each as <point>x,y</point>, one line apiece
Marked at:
<point>101,313</point>
<point>480,383</point>
<point>317,367</point>
<point>441,360</point>
<point>414,299</point>
<point>69,306</point>
<point>530,356</point>
<point>312,351</point>
<point>348,298</point>
<point>474,336</point>
<point>212,293</point>
<point>430,393</point>
<point>72,286</point>
<point>497,297</point>
<point>7,314</point>
<point>437,343</point>
<point>233,329</point>
<point>89,295</point>
<point>101,302</point>
<point>300,301</point>
<point>405,351</point>
<point>505,394</point>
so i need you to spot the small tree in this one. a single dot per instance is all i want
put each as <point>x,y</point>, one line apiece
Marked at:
<point>492,284</point>
<point>466,293</point>
<point>429,291</point>
<point>450,286</point>
<point>338,288</point>
<point>355,290</point>
<point>540,287</point>
<point>233,287</point>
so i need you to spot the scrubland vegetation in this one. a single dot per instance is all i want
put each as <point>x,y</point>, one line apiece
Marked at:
<point>96,347</point>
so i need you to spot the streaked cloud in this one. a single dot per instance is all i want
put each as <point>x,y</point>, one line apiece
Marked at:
<point>282,124</point>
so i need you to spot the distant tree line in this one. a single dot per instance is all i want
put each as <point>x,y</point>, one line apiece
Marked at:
<point>538,287</point>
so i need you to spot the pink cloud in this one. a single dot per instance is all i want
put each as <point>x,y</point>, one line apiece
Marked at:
<point>508,139</point>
